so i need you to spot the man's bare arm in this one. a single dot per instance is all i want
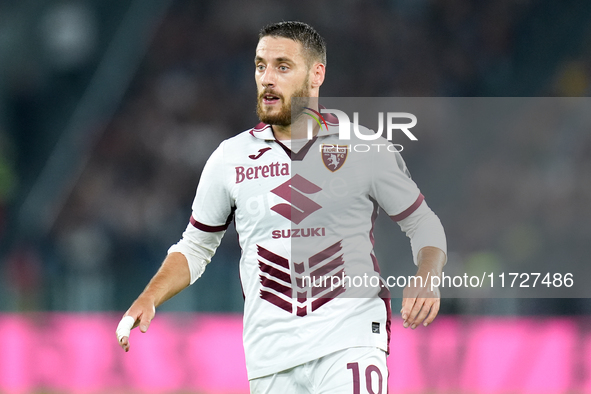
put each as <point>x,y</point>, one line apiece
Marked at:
<point>172,277</point>
<point>421,304</point>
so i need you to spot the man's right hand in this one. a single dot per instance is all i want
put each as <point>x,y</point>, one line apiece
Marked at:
<point>142,311</point>
<point>172,277</point>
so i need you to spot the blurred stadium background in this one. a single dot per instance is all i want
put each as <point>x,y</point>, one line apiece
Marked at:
<point>109,110</point>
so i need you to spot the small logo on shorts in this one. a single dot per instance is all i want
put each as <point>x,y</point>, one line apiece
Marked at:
<point>375,327</point>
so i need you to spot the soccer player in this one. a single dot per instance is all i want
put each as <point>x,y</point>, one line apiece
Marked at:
<point>303,210</point>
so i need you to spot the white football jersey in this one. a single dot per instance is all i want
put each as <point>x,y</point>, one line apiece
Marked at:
<point>301,216</point>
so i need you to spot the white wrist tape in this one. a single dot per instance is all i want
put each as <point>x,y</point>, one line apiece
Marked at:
<point>124,327</point>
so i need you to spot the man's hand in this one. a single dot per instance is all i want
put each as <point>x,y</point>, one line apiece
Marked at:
<point>172,277</point>
<point>142,312</point>
<point>420,302</point>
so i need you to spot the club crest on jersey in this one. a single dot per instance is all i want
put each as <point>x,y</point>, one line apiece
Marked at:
<point>334,156</point>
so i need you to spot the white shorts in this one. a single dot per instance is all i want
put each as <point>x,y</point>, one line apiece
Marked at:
<point>357,370</point>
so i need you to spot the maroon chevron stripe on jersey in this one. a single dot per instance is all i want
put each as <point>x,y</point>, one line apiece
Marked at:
<point>276,281</point>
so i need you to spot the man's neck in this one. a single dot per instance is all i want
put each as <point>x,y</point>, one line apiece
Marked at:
<point>282,132</point>
<point>295,131</point>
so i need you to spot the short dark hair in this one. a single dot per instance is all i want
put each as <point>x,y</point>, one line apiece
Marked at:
<point>311,41</point>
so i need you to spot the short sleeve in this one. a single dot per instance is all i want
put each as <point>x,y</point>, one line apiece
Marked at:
<point>392,187</point>
<point>213,206</point>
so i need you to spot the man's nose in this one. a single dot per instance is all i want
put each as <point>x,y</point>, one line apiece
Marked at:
<point>268,78</point>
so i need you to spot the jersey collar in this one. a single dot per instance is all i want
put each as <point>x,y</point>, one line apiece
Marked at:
<point>263,131</point>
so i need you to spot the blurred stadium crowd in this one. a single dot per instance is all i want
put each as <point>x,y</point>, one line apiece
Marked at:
<point>195,88</point>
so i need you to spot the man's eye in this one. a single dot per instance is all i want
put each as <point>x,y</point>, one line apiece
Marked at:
<point>260,67</point>
<point>283,68</point>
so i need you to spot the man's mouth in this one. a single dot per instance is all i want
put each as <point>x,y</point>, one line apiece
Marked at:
<point>270,99</point>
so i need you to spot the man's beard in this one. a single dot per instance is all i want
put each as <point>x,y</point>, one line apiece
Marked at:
<point>284,118</point>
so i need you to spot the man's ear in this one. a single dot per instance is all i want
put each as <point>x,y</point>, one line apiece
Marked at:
<point>317,72</point>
